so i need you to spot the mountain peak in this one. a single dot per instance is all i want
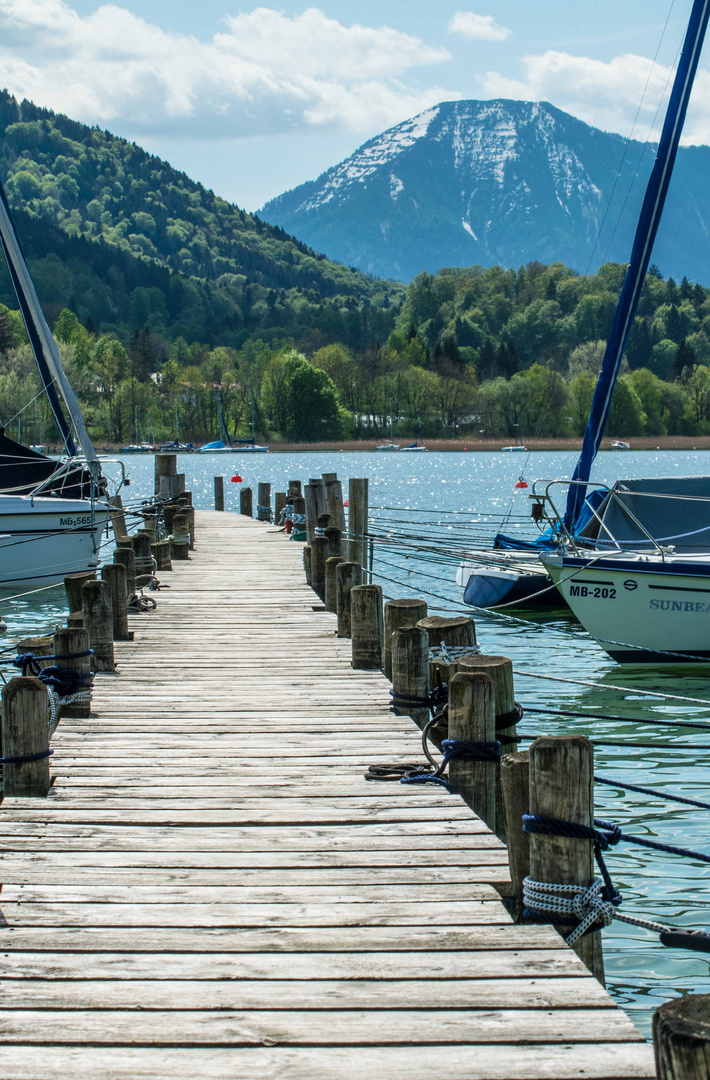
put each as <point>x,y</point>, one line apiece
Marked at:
<point>488,182</point>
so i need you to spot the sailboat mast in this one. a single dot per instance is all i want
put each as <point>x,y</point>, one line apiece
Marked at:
<point>43,344</point>
<point>651,211</point>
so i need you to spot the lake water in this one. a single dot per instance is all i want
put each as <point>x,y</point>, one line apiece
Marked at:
<point>451,501</point>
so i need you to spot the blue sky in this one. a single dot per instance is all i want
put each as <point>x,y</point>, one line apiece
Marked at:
<point>254,100</point>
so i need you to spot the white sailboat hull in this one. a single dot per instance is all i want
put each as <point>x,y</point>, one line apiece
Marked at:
<point>42,538</point>
<point>637,607</point>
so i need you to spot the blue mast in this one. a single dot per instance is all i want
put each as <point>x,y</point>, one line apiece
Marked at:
<point>646,230</point>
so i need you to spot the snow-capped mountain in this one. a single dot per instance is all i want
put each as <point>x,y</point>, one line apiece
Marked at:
<point>497,182</point>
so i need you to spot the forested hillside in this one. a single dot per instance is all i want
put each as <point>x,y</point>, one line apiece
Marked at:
<point>125,240</point>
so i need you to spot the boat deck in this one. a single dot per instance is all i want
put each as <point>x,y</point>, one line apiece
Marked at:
<point>212,888</point>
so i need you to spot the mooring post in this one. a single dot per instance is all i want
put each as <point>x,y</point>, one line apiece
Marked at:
<point>681,1038</point>
<point>358,517</point>
<point>515,788</point>
<point>170,512</point>
<point>143,551</point>
<point>177,484</point>
<point>331,566</point>
<point>72,587</point>
<point>398,614</point>
<point>319,554</point>
<point>25,734</point>
<point>180,541</point>
<point>294,488</point>
<point>347,574</point>
<point>39,647</point>
<point>310,495</point>
<point>219,493</point>
<point>71,648</point>
<point>118,517</point>
<point>500,670</point>
<point>126,556</point>
<point>263,502</point>
<point>165,467</point>
<point>245,502</point>
<point>279,503</point>
<point>472,720</point>
<point>333,535</point>
<point>97,609</point>
<point>114,575</point>
<point>308,563</point>
<point>458,631</point>
<point>188,512</point>
<point>161,554</point>
<point>334,501</point>
<point>562,787</point>
<point>367,627</point>
<point>409,655</point>
<point>299,515</point>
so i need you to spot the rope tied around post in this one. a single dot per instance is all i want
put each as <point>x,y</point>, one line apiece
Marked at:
<point>31,663</point>
<point>449,654</point>
<point>26,758</point>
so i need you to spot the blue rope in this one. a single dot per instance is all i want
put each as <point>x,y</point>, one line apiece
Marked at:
<point>605,836</point>
<point>426,778</point>
<point>25,758</point>
<point>456,749</point>
<point>653,791</point>
<point>624,719</point>
<point>29,662</point>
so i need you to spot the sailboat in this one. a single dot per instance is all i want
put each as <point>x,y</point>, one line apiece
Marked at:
<point>643,589</point>
<point>512,571</point>
<point>52,512</point>
<point>519,446</point>
<point>417,444</point>
<point>225,445</point>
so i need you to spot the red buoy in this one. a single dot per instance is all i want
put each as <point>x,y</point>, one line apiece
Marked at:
<point>346,503</point>
<point>236,479</point>
<point>521,483</point>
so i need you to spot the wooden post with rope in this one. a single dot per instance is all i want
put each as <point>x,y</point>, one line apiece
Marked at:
<point>294,488</point>
<point>97,608</point>
<point>330,597</point>
<point>333,536</point>
<point>126,556</point>
<point>263,502</point>
<point>161,554</point>
<point>681,1038</point>
<point>500,670</point>
<point>165,467</point>
<point>143,551</point>
<point>515,789</point>
<point>308,563</point>
<point>562,787</point>
<point>245,502</point>
<point>71,648</point>
<point>73,585</point>
<point>367,627</point>
<point>409,658</point>
<point>334,501</point>
<point>25,734</point>
<point>219,493</point>
<point>472,720</point>
<point>114,575</point>
<point>347,575</point>
<point>118,517</point>
<point>398,614</point>
<point>279,503</point>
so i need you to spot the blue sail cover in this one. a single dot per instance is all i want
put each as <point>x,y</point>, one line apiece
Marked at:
<point>646,230</point>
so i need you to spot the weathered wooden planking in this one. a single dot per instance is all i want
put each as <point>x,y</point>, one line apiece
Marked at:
<point>213,888</point>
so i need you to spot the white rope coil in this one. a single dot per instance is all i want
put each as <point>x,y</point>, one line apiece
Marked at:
<point>583,902</point>
<point>448,654</point>
<point>298,519</point>
<point>55,703</point>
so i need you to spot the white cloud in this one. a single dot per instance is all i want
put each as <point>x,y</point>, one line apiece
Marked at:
<point>477,27</point>
<point>264,73</point>
<point>606,94</point>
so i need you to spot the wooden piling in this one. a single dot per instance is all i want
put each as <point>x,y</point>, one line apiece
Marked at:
<point>170,512</point>
<point>245,502</point>
<point>333,536</point>
<point>311,511</point>
<point>73,585</point>
<point>308,563</point>
<point>458,631</point>
<point>681,1038</point>
<point>398,614</point>
<point>263,507</point>
<point>219,493</point>
<point>367,627</point>
<point>358,517</point>
<point>39,647</point>
<point>515,789</point>
<point>25,733</point>
<point>472,720</point>
<point>177,484</point>
<point>115,577</point>
<point>127,558</point>
<point>97,608</point>
<point>294,488</point>
<point>161,554</point>
<point>347,575</point>
<point>142,548</point>
<point>409,657</point>
<point>331,565</point>
<point>319,554</point>
<point>279,503</point>
<point>165,467</point>
<point>69,645</point>
<point>334,501</point>
<point>500,670</point>
<point>188,512</point>
<point>185,497</point>
<point>118,517</point>
<point>562,787</point>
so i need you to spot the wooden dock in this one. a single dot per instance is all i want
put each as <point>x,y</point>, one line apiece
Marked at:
<point>213,890</point>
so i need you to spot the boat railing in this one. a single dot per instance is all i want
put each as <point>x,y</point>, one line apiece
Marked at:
<point>561,529</point>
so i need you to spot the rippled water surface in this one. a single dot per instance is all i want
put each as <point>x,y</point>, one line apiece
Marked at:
<point>420,492</point>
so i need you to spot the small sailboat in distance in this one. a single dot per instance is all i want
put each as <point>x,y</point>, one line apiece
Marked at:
<point>391,445</point>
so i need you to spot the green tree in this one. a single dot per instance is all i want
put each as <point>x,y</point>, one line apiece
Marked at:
<point>314,412</point>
